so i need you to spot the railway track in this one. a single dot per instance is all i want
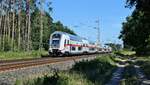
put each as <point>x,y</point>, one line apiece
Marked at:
<point>23,63</point>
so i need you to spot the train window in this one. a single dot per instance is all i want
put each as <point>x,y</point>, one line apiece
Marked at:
<point>92,49</point>
<point>68,41</point>
<point>65,42</point>
<point>55,42</point>
<point>79,48</point>
<point>73,48</point>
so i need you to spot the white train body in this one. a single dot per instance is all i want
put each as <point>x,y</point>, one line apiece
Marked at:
<point>64,43</point>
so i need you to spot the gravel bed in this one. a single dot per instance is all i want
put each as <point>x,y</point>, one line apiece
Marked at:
<point>9,77</point>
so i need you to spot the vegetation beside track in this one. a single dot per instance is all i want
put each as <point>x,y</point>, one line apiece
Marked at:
<point>95,72</point>
<point>144,63</point>
<point>21,55</point>
<point>130,76</point>
<point>125,52</point>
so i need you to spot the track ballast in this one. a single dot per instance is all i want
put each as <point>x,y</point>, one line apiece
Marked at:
<point>9,65</point>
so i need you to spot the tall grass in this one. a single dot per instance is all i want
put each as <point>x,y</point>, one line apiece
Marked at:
<point>95,72</point>
<point>62,78</point>
<point>21,55</point>
<point>99,71</point>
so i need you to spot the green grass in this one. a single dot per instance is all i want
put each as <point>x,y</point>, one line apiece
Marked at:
<point>21,55</point>
<point>95,72</point>
<point>125,52</point>
<point>130,77</point>
<point>143,58</point>
<point>63,78</point>
<point>99,71</point>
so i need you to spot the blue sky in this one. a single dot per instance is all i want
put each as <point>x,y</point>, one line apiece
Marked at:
<point>84,13</point>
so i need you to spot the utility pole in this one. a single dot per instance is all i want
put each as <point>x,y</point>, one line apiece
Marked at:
<point>98,32</point>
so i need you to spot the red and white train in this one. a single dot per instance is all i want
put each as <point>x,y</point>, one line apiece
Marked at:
<point>62,43</point>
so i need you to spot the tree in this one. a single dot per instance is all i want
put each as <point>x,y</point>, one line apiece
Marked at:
<point>41,24</point>
<point>135,31</point>
<point>48,27</point>
<point>139,4</point>
<point>21,29</point>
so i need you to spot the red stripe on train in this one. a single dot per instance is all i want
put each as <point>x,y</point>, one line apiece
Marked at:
<point>75,45</point>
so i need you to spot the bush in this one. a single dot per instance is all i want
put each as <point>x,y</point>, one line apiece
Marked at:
<point>98,71</point>
<point>63,78</point>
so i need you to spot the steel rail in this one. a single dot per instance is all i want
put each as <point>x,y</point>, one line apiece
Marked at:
<point>23,63</point>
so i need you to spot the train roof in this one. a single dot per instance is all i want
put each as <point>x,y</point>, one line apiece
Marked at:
<point>72,37</point>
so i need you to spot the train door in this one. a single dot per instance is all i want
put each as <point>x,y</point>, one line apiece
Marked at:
<point>66,47</point>
<point>68,42</point>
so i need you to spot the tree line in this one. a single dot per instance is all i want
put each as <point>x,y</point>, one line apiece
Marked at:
<point>136,30</point>
<point>25,25</point>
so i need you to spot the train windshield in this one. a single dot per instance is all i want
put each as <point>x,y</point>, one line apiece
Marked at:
<point>55,43</point>
<point>56,40</point>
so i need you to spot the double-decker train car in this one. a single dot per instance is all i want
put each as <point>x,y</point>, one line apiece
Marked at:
<point>107,49</point>
<point>62,43</point>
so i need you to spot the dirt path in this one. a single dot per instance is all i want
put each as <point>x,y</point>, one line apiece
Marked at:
<point>117,75</point>
<point>141,76</point>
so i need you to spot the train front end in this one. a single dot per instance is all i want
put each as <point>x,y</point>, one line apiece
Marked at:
<point>55,44</point>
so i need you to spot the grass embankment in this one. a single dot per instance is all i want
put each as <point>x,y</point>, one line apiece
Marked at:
<point>125,53</point>
<point>21,55</point>
<point>95,72</point>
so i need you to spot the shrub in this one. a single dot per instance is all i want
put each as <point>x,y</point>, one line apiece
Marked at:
<point>98,71</point>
